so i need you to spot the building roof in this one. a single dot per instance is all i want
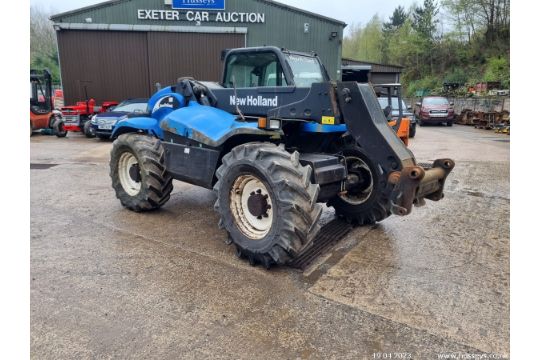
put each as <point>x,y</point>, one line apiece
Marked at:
<point>269,2</point>
<point>377,67</point>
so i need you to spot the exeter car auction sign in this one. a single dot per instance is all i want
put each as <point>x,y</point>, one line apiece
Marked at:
<point>199,11</point>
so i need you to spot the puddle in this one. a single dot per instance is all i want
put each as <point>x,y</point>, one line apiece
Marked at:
<point>34,166</point>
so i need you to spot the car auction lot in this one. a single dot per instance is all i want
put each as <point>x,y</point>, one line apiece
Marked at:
<point>110,283</point>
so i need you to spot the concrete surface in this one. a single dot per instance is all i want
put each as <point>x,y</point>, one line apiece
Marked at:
<point>109,283</point>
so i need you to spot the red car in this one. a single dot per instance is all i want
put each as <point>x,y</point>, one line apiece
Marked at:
<point>434,110</point>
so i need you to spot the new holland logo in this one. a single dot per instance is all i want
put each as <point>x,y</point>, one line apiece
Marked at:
<point>196,4</point>
<point>254,101</point>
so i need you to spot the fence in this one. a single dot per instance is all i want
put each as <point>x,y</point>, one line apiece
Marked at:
<point>483,104</point>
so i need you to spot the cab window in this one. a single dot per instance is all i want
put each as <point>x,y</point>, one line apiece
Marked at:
<point>254,70</point>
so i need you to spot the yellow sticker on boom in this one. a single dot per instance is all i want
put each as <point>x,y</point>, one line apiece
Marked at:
<point>328,120</point>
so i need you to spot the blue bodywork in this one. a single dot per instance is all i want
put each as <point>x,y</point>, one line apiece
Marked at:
<point>205,124</point>
<point>313,127</point>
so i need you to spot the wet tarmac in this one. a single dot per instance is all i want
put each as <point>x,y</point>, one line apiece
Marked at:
<point>110,283</point>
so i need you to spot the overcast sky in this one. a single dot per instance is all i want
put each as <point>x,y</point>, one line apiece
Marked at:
<point>349,11</point>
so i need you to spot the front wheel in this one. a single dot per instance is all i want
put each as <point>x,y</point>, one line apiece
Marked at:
<point>412,130</point>
<point>138,173</point>
<point>59,129</point>
<point>267,203</point>
<point>89,130</point>
<point>363,203</point>
<point>450,123</point>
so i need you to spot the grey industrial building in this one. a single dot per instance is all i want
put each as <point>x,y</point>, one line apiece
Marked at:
<point>121,48</point>
<point>364,71</point>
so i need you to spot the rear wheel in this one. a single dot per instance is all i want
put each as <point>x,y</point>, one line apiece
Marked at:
<point>138,173</point>
<point>267,203</point>
<point>364,203</point>
<point>450,123</point>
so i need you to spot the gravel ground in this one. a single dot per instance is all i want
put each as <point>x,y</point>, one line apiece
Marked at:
<point>110,283</point>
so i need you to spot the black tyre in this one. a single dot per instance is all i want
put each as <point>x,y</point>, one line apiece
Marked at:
<point>59,129</point>
<point>89,130</point>
<point>365,204</point>
<point>267,203</point>
<point>138,173</point>
<point>421,123</point>
<point>412,131</point>
<point>450,123</point>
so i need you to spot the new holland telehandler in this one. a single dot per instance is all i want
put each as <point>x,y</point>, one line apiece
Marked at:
<point>275,139</point>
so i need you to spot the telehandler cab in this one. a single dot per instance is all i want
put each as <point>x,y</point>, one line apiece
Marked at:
<point>275,139</point>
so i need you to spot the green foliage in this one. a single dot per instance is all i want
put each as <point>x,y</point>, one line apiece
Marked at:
<point>425,20</point>
<point>498,69</point>
<point>43,49</point>
<point>428,83</point>
<point>365,42</point>
<point>456,75</point>
<point>397,19</point>
<point>473,47</point>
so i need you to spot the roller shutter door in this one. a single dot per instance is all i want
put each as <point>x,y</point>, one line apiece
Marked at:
<point>117,65</point>
<point>108,65</point>
<point>174,55</point>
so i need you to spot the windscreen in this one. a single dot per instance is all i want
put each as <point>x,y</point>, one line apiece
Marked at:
<point>435,101</point>
<point>306,70</point>
<point>132,107</point>
<point>258,69</point>
<point>383,101</point>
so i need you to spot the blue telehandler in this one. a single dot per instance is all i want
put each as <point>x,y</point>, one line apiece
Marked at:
<point>275,139</point>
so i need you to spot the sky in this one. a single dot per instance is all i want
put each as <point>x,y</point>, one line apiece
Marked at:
<point>348,11</point>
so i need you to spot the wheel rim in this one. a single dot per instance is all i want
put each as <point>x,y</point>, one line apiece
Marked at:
<point>359,172</point>
<point>129,173</point>
<point>251,207</point>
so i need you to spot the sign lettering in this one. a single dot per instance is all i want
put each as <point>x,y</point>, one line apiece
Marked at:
<point>201,16</point>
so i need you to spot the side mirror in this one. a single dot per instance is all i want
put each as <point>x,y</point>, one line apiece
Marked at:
<point>451,104</point>
<point>409,107</point>
<point>418,104</point>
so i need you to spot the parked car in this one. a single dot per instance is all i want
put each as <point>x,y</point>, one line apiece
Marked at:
<point>407,112</point>
<point>434,110</point>
<point>103,124</point>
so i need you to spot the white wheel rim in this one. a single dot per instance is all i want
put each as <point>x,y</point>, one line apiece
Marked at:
<point>244,188</point>
<point>362,196</point>
<point>130,185</point>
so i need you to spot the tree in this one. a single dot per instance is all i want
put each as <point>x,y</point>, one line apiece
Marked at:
<point>397,19</point>
<point>425,23</point>
<point>365,42</point>
<point>389,29</point>
<point>43,49</point>
<point>425,19</point>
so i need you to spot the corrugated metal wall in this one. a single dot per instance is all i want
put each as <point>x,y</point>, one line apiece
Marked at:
<point>111,65</point>
<point>283,27</point>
